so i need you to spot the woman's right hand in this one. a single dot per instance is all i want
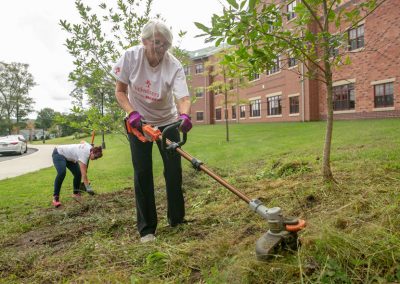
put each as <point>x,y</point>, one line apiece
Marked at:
<point>135,119</point>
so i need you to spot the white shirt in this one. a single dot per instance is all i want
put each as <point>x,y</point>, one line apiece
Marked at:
<point>75,152</point>
<point>151,90</point>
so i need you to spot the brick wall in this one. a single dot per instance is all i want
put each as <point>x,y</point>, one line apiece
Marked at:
<point>377,61</point>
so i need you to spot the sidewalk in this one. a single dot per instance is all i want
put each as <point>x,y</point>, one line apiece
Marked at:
<point>26,164</point>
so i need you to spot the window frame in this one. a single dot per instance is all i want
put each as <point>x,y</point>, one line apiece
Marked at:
<point>198,91</point>
<point>274,110</point>
<point>242,111</point>
<point>276,68</point>
<point>347,92</point>
<point>290,10</point>
<point>292,62</point>
<point>358,39</point>
<point>199,68</point>
<point>294,108</point>
<point>384,95</point>
<point>218,110</point>
<point>186,70</point>
<point>255,108</point>
<point>233,108</point>
<point>231,85</point>
<point>254,77</point>
<point>197,115</point>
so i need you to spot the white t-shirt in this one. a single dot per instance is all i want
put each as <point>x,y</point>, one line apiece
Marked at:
<point>75,152</point>
<point>151,90</point>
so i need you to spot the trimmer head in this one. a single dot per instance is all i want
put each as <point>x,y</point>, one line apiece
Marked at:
<point>269,244</point>
<point>282,233</point>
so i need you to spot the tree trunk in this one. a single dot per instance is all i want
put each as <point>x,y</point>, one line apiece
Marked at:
<point>226,107</point>
<point>326,164</point>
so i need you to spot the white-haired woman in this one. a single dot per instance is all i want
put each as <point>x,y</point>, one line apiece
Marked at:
<point>151,86</point>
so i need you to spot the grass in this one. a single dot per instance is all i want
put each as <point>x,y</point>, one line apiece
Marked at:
<point>352,234</point>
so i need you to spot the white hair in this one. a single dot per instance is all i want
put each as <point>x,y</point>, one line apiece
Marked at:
<point>152,27</point>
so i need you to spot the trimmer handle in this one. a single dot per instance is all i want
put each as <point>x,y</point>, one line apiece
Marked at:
<point>173,145</point>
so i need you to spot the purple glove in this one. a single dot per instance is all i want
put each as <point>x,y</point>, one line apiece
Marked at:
<point>134,119</point>
<point>186,124</point>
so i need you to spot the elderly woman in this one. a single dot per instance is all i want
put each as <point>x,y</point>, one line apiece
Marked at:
<point>151,87</point>
<point>76,158</point>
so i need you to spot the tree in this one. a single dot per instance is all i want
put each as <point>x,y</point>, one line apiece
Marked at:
<point>95,51</point>
<point>66,123</point>
<point>75,122</point>
<point>45,120</point>
<point>96,44</point>
<point>223,82</point>
<point>15,102</point>
<point>260,34</point>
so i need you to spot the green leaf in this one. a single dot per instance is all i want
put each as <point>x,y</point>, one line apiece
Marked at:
<point>201,27</point>
<point>347,60</point>
<point>218,42</point>
<point>233,3</point>
<point>252,4</point>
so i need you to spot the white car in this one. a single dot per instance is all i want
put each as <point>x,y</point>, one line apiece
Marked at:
<point>13,144</point>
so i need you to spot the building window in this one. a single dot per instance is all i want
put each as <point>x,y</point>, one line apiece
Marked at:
<point>186,69</point>
<point>344,97</point>
<point>290,10</point>
<point>292,62</point>
<point>218,114</point>
<point>219,89</point>
<point>255,108</point>
<point>242,110</point>
<point>356,38</point>
<point>199,92</point>
<point>199,116</point>
<point>199,68</point>
<point>254,76</point>
<point>294,104</point>
<point>231,84</point>
<point>383,95</point>
<point>274,105</point>
<point>233,112</point>
<point>274,68</point>
<point>333,48</point>
<point>333,51</point>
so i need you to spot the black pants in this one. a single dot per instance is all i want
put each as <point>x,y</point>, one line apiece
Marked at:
<point>61,164</point>
<point>144,184</point>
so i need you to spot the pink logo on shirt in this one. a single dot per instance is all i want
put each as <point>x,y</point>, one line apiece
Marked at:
<point>117,70</point>
<point>148,83</point>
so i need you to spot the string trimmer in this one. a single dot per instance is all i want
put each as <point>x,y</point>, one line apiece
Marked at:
<point>282,231</point>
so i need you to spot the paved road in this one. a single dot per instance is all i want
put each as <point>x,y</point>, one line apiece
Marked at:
<point>5,157</point>
<point>39,158</point>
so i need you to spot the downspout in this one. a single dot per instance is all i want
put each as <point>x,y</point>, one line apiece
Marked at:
<point>302,92</point>
<point>205,95</point>
<point>303,103</point>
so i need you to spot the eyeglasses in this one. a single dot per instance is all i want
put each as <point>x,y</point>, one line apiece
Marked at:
<point>160,43</point>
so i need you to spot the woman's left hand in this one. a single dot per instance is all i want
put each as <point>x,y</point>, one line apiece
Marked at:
<point>186,123</point>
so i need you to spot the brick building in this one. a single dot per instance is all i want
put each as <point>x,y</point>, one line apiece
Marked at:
<point>366,88</point>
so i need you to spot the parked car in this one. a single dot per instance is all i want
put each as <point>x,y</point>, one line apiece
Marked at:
<point>13,144</point>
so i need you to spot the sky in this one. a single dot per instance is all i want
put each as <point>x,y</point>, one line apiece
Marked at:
<point>30,33</point>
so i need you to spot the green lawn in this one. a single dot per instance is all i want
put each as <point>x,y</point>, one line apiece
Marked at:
<point>352,234</point>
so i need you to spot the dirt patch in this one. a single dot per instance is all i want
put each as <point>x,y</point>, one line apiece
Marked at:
<point>54,227</point>
<point>50,236</point>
